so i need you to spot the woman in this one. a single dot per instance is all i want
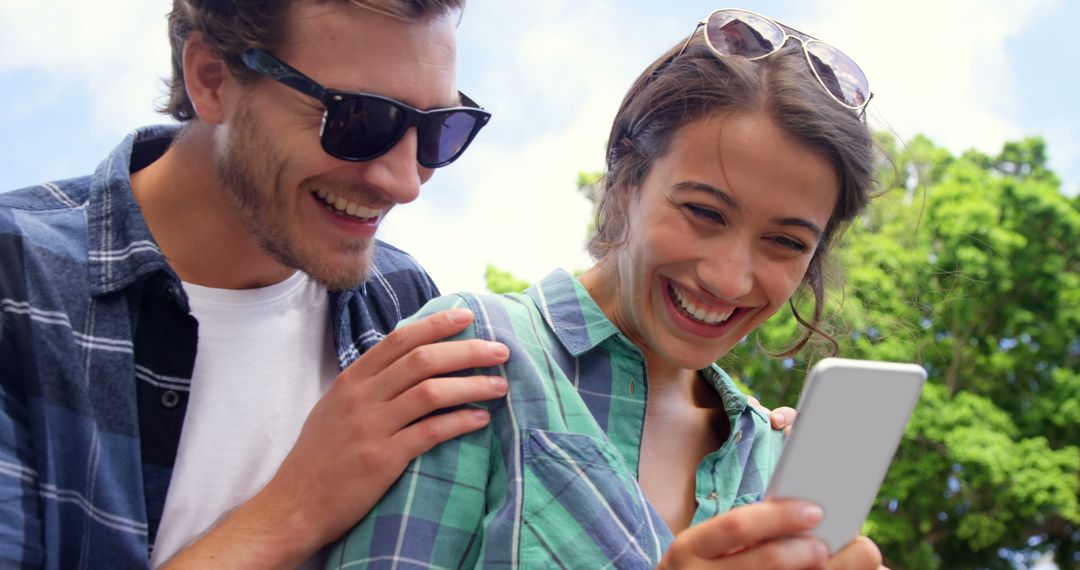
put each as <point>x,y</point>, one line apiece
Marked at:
<point>732,165</point>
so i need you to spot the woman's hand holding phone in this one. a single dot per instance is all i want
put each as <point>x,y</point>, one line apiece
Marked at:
<point>771,535</point>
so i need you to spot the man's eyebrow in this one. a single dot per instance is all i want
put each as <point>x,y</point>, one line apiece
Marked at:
<point>728,199</point>
<point>734,204</point>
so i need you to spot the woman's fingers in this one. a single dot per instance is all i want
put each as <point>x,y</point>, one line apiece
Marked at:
<point>747,526</point>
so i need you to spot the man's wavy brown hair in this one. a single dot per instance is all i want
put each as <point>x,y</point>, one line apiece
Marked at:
<point>231,27</point>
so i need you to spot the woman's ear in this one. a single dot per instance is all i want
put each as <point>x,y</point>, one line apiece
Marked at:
<point>206,76</point>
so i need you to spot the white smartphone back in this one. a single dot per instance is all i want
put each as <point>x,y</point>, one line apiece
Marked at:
<point>852,414</point>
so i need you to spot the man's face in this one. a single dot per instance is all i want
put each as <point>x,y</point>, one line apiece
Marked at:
<point>308,210</point>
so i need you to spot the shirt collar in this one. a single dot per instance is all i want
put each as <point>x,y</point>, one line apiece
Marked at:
<point>580,326</point>
<point>735,401</point>
<point>570,311</point>
<point>121,247</point>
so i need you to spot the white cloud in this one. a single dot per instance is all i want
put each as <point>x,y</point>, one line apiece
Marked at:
<point>937,68</point>
<point>114,51</point>
<point>554,73</point>
<point>557,83</point>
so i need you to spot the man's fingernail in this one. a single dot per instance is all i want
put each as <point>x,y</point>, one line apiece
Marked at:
<point>812,514</point>
<point>778,418</point>
<point>460,316</point>
<point>821,552</point>
<point>498,350</point>
<point>498,382</point>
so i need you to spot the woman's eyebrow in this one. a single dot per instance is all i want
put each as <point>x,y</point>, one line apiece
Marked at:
<point>727,199</point>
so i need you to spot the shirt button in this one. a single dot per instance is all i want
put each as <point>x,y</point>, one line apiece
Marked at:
<point>713,496</point>
<point>738,436</point>
<point>170,399</point>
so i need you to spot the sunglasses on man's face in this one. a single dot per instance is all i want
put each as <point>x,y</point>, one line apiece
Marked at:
<point>741,33</point>
<point>362,126</point>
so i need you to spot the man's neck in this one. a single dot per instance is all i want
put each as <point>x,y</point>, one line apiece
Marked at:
<point>196,223</point>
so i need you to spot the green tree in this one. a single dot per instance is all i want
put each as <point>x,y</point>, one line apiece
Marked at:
<point>969,265</point>
<point>499,281</point>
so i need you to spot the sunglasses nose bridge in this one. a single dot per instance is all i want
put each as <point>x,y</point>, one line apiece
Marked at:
<point>790,36</point>
<point>395,172</point>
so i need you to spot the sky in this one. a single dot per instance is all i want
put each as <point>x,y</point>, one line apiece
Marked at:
<point>76,77</point>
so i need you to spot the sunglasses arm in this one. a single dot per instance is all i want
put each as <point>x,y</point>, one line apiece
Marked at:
<point>265,64</point>
<point>704,22</point>
<point>865,106</point>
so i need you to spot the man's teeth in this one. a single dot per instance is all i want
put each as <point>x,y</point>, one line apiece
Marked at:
<point>344,206</point>
<point>700,313</point>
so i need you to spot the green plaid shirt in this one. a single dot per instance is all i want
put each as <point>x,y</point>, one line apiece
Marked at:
<point>551,482</point>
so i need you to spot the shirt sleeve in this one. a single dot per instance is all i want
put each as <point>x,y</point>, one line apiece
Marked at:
<point>434,515</point>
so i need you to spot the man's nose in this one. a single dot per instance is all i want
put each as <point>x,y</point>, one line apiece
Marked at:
<point>397,173</point>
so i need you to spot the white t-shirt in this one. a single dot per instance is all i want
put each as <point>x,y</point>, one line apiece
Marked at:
<point>265,357</point>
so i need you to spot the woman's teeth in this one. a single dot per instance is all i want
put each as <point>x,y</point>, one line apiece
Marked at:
<point>698,313</point>
<point>343,206</point>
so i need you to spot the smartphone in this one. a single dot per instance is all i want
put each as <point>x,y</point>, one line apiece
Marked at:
<point>852,414</point>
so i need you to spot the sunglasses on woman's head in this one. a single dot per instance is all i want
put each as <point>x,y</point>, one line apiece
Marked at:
<point>362,126</point>
<point>741,33</point>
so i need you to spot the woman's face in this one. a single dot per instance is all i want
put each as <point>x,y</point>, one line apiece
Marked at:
<point>720,235</point>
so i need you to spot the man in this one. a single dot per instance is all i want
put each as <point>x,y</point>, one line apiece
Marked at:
<point>191,369</point>
<point>99,275</point>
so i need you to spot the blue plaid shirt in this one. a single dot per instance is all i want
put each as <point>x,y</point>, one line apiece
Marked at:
<point>97,346</point>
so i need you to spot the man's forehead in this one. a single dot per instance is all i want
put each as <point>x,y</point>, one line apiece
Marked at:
<point>407,10</point>
<point>350,48</point>
<point>339,16</point>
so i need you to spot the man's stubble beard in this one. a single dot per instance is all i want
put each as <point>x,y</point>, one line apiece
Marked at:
<point>246,166</point>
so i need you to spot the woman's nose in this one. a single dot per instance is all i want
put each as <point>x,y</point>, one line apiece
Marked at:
<point>729,273</point>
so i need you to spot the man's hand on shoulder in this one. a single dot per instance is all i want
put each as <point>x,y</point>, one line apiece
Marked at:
<point>356,442</point>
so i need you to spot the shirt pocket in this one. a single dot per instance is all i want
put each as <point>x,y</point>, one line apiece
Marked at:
<point>581,506</point>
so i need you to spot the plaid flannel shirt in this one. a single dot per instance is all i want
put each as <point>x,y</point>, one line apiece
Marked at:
<point>552,480</point>
<point>97,346</point>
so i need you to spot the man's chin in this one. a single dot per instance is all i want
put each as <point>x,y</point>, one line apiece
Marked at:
<point>342,266</point>
<point>340,281</point>
<point>344,274</point>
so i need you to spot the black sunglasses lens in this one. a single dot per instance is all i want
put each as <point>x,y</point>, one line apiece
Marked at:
<point>838,73</point>
<point>738,33</point>
<point>361,128</point>
<point>444,136</point>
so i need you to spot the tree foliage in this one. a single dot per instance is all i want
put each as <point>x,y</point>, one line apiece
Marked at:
<point>499,281</point>
<point>969,265</point>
